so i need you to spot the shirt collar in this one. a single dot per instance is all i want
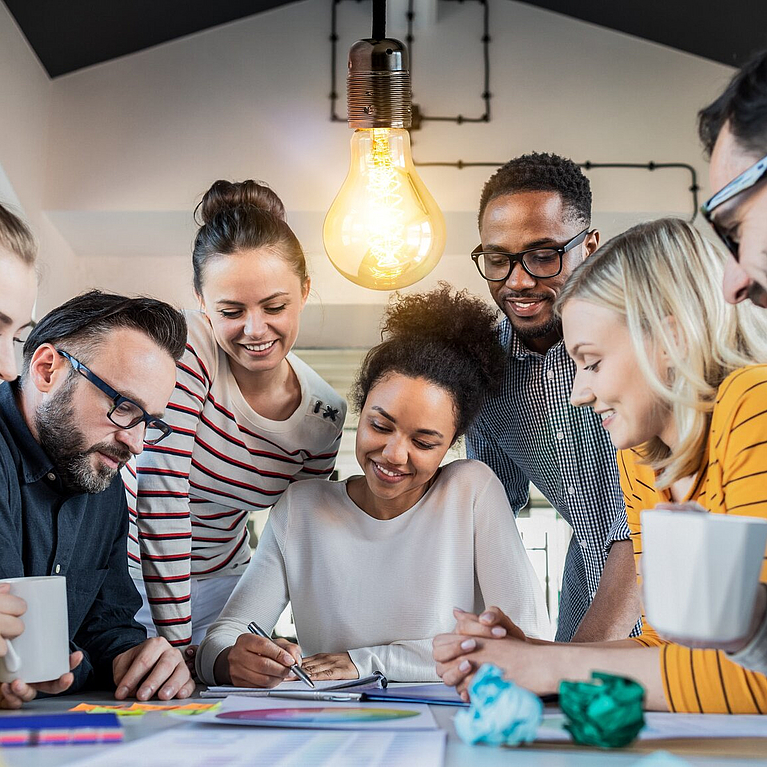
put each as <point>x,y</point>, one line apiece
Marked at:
<point>35,461</point>
<point>516,349</point>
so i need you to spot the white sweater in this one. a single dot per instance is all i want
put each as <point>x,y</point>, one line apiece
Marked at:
<point>196,487</point>
<point>382,589</point>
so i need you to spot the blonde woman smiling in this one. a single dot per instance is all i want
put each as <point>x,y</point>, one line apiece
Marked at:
<point>679,379</point>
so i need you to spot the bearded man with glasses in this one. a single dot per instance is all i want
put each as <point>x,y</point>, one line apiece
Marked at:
<point>97,374</point>
<point>534,223</point>
<point>733,130</point>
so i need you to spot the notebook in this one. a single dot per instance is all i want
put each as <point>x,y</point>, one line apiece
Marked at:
<point>376,681</point>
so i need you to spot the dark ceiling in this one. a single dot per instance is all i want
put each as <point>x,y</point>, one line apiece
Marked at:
<point>71,34</point>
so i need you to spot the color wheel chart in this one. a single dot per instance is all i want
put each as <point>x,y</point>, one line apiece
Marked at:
<point>314,716</point>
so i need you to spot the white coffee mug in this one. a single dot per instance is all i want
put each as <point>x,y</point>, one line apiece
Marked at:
<point>700,574</point>
<point>41,652</point>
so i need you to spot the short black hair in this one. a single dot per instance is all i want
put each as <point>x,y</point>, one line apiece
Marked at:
<point>743,105</point>
<point>447,338</point>
<point>84,321</point>
<point>541,172</point>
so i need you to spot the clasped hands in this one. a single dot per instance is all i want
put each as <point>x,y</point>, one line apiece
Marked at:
<point>257,662</point>
<point>491,637</point>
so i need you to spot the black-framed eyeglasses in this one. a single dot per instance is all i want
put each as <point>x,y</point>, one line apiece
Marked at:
<point>497,265</point>
<point>746,180</point>
<point>124,412</point>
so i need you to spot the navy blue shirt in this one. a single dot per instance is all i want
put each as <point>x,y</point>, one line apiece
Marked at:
<point>47,530</point>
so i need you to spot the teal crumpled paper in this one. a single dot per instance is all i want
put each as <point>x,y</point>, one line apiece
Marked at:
<point>501,713</point>
<point>606,712</point>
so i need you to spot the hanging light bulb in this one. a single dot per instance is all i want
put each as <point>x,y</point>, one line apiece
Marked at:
<point>383,230</point>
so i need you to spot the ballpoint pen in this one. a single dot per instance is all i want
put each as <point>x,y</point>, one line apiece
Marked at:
<point>254,628</point>
<point>336,697</point>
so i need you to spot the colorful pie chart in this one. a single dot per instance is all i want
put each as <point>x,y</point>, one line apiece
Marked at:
<point>319,715</point>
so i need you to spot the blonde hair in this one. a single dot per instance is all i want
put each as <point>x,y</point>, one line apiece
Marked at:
<point>15,237</point>
<point>665,280</point>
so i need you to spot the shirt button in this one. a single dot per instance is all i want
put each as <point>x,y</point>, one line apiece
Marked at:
<point>560,435</point>
<point>58,568</point>
<point>51,476</point>
<point>550,375</point>
<point>584,544</point>
<point>571,490</point>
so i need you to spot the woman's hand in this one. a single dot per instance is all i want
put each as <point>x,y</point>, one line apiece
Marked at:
<point>492,623</point>
<point>330,666</point>
<point>476,639</point>
<point>528,664</point>
<point>257,662</point>
<point>190,654</point>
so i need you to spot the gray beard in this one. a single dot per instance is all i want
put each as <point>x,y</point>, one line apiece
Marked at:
<point>64,443</point>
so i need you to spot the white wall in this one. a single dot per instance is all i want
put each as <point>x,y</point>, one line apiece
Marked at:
<point>134,142</point>
<point>25,101</point>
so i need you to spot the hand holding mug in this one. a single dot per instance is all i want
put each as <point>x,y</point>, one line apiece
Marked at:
<point>14,694</point>
<point>11,625</point>
<point>36,649</point>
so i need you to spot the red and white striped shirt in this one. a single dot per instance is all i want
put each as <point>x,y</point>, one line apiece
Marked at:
<point>189,503</point>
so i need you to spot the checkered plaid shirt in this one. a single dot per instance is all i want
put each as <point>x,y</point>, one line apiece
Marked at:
<point>529,432</point>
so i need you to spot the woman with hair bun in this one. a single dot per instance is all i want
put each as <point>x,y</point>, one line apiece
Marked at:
<point>249,418</point>
<point>373,566</point>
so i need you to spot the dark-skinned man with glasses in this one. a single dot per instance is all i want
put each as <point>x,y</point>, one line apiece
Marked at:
<point>534,224</point>
<point>97,375</point>
<point>733,130</point>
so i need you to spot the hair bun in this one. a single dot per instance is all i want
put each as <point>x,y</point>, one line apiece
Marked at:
<point>224,196</point>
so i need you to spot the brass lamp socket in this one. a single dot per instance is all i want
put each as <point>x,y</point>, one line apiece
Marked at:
<point>378,85</point>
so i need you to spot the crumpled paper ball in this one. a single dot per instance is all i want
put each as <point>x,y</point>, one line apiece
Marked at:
<point>501,713</point>
<point>606,712</point>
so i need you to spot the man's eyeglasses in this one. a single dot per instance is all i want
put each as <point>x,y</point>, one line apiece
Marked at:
<point>746,180</point>
<point>496,265</point>
<point>124,412</point>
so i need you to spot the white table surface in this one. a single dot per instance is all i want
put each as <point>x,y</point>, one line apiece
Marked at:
<point>458,754</point>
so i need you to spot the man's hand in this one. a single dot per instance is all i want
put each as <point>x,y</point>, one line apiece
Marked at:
<point>336,665</point>
<point>11,607</point>
<point>14,694</point>
<point>152,667</point>
<point>254,661</point>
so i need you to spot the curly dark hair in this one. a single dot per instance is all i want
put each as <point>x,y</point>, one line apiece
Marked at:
<point>447,338</point>
<point>541,172</point>
<point>744,105</point>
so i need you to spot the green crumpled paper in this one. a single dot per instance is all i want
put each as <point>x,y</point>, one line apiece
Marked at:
<point>501,713</point>
<point>606,712</point>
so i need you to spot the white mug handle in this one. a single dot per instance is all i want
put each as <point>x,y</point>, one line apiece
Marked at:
<point>12,659</point>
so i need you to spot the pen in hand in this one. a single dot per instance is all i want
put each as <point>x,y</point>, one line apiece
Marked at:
<point>254,628</point>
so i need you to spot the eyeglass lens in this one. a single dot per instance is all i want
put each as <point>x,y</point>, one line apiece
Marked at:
<point>539,263</point>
